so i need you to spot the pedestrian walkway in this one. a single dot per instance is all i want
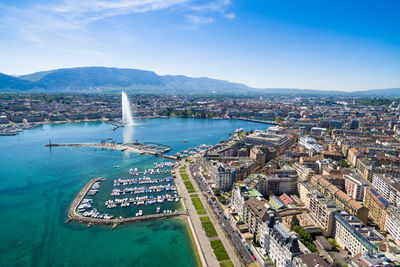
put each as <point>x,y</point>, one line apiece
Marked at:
<point>221,234</point>
<point>207,255</point>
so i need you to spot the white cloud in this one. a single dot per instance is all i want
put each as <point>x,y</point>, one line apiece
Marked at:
<point>68,19</point>
<point>198,20</point>
<point>218,6</point>
<point>230,15</point>
<point>95,10</point>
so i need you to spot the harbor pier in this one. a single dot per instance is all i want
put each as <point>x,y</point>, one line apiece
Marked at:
<point>75,216</point>
<point>130,147</point>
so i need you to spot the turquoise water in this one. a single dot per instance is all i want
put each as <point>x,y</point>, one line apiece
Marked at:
<point>37,185</point>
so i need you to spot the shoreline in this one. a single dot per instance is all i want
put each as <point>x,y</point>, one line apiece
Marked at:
<point>196,243</point>
<point>194,238</point>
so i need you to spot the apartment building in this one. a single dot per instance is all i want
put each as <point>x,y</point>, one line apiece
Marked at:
<point>351,234</point>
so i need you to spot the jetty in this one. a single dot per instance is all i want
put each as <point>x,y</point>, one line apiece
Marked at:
<point>75,216</point>
<point>170,157</point>
<point>113,123</point>
<point>139,148</point>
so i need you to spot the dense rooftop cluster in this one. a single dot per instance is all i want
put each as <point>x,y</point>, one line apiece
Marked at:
<point>327,179</point>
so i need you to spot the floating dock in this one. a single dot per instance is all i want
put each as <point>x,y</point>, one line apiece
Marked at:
<point>75,216</point>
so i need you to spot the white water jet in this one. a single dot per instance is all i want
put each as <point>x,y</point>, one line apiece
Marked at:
<point>127,119</point>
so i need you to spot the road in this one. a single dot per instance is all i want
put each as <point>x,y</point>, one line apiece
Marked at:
<point>235,239</point>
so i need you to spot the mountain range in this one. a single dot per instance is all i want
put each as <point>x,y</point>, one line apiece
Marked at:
<point>102,79</point>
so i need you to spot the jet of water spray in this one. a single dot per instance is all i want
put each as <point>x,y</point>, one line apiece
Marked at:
<point>126,110</point>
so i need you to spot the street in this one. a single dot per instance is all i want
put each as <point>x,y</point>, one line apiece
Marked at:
<point>245,255</point>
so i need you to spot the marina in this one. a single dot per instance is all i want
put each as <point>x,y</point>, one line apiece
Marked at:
<point>78,209</point>
<point>191,151</point>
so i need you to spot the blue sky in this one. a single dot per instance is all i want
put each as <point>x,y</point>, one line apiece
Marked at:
<point>314,44</point>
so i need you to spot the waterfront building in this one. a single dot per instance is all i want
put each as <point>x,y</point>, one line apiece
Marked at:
<point>240,194</point>
<point>279,243</point>
<point>260,138</point>
<point>222,175</point>
<point>351,234</point>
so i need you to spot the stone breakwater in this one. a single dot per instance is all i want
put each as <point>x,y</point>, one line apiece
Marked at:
<point>75,216</point>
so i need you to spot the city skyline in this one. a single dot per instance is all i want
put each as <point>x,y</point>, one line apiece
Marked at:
<point>263,44</point>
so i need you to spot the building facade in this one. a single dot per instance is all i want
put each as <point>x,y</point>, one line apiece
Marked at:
<point>351,234</point>
<point>377,206</point>
<point>281,245</point>
<point>222,175</point>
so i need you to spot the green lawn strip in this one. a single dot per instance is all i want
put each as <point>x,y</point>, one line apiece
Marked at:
<point>182,168</point>
<point>219,250</point>
<point>209,229</point>
<point>197,204</point>
<point>189,186</point>
<point>201,212</point>
<point>184,176</point>
<point>205,219</point>
<point>226,264</point>
<point>193,195</point>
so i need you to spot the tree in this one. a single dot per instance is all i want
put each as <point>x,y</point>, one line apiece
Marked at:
<point>294,222</point>
<point>344,164</point>
<point>217,192</point>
